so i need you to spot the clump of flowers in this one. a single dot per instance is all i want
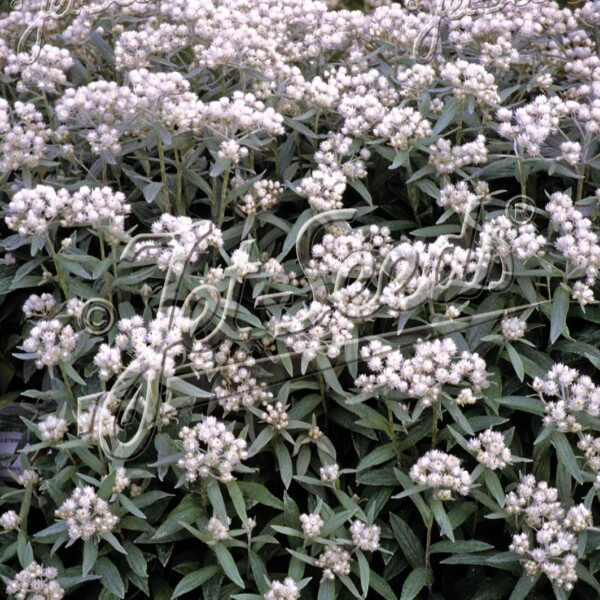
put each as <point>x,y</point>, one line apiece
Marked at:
<point>86,514</point>
<point>443,473</point>
<point>491,449</point>
<point>210,450</point>
<point>365,537</point>
<point>547,525</point>
<point>53,428</point>
<point>10,520</point>
<point>36,582</point>
<point>334,561</point>
<point>283,590</point>
<point>311,525</point>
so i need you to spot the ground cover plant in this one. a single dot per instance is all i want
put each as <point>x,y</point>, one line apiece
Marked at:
<point>297,300</point>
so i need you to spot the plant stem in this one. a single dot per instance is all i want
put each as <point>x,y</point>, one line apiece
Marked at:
<point>223,201</point>
<point>59,275</point>
<point>163,173</point>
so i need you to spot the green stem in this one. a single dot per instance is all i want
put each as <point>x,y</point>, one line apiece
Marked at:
<point>180,207</point>
<point>163,173</point>
<point>105,275</point>
<point>59,275</point>
<point>223,202</point>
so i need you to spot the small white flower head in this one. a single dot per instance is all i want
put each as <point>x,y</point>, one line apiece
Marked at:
<point>121,481</point>
<point>217,530</point>
<point>39,306</point>
<point>329,473</point>
<point>491,449</point>
<point>283,590</point>
<point>241,264</point>
<point>53,429</point>
<point>276,416</point>
<point>10,520</point>
<point>579,518</point>
<point>210,449</point>
<point>52,342</point>
<point>513,328</point>
<point>334,561</point>
<point>443,473</point>
<point>311,525</point>
<point>36,582</point>
<point>29,477</point>
<point>365,537</point>
<point>86,514</point>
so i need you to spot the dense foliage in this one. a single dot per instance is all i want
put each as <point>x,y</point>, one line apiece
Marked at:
<point>297,300</point>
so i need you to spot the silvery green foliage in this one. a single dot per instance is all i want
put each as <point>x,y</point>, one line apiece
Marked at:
<point>300,297</point>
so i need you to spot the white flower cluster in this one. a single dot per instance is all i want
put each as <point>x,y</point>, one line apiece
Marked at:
<point>534,123</point>
<point>553,531</point>
<point>443,473</point>
<point>36,582</point>
<point>447,158</point>
<point>122,482</point>
<point>365,537</point>
<point>590,446</point>
<point>238,388</point>
<point>52,342</point>
<point>23,136</point>
<point>98,421</point>
<point>86,514</point>
<point>423,376</point>
<point>45,73</point>
<point>334,561</point>
<point>331,332</point>
<point>39,306</point>
<point>500,236</point>
<point>325,186</point>
<point>491,449</point>
<point>401,126</point>
<point>513,328</point>
<point>311,525</point>
<point>10,520</point>
<point>470,79</point>
<point>217,530</point>
<point>275,416</point>
<point>262,196</point>
<point>53,429</point>
<point>458,198</point>
<point>575,393</point>
<point>32,210</point>
<point>329,473</point>
<point>181,241</point>
<point>154,347</point>
<point>29,477</point>
<point>283,590</point>
<point>211,450</point>
<point>578,243</point>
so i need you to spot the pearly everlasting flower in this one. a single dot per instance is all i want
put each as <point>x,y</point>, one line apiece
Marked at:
<point>241,264</point>
<point>275,416</point>
<point>311,525</point>
<point>334,561</point>
<point>283,590</point>
<point>86,514</point>
<point>329,473</point>
<point>443,473</point>
<point>447,158</point>
<point>513,328</point>
<point>365,537</point>
<point>10,520</point>
<point>53,429</point>
<point>108,361</point>
<point>536,501</point>
<point>210,450</point>
<point>35,582</point>
<point>39,306</point>
<point>491,449</point>
<point>51,342</point>
<point>29,477</point>
<point>402,126</point>
<point>217,530</point>
<point>121,481</point>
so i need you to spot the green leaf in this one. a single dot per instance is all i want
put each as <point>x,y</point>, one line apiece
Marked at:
<point>259,493</point>
<point>376,457</point>
<point>285,463</point>
<point>152,190</point>
<point>110,576</point>
<point>228,564</point>
<point>136,559</point>
<point>442,518</point>
<point>460,547</point>
<point>516,361</point>
<point>238,500</point>
<point>382,587</point>
<point>524,586</point>
<point>90,554</point>
<point>558,316</point>
<point>531,405</point>
<point>415,582</point>
<point>194,580</point>
<point>409,543</point>
<point>326,590</point>
<point>565,454</point>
